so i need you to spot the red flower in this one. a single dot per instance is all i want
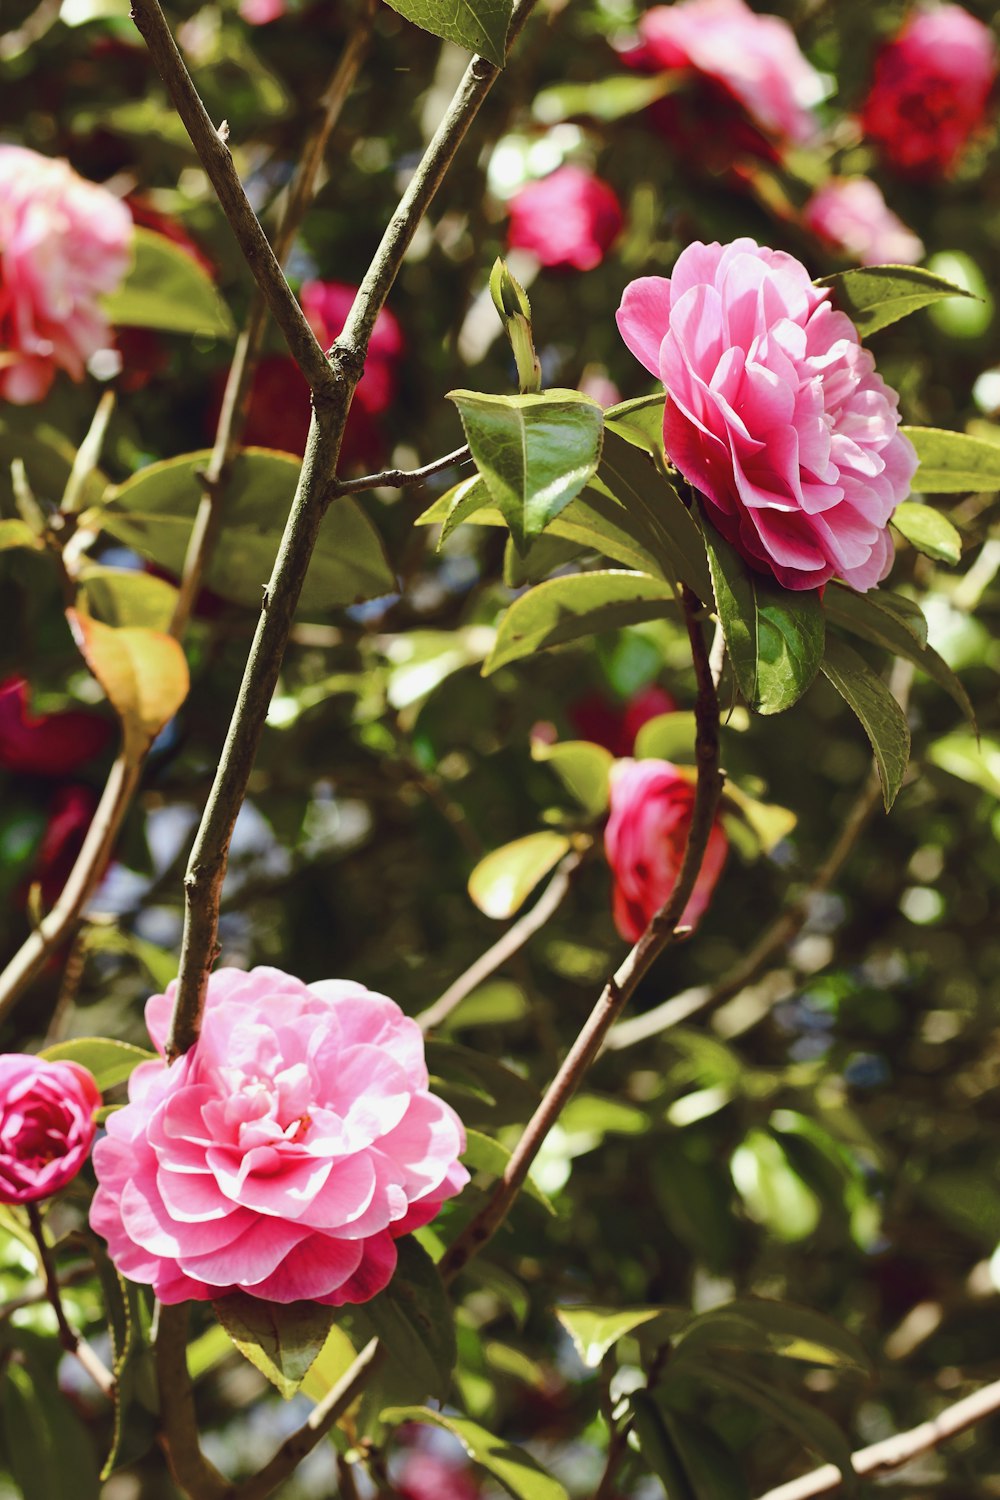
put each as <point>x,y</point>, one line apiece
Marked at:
<point>568,219</point>
<point>51,744</point>
<point>70,813</point>
<point>615,725</point>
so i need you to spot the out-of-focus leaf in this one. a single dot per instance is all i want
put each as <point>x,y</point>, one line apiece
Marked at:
<point>143,672</point>
<point>667,737</point>
<point>769,821</point>
<point>503,881</point>
<point>606,99</point>
<point>483,1154</point>
<point>564,610</point>
<point>881,716</point>
<point>481,27</point>
<point>124,596</point>
<point>595,1330</point>
<point>504,1090</point>
<point>875,296</point>
<point>953,463</point>
<point>582,767</point>
<point>281,1339</point>
<point>109,1060</point>
<point>45,1445</point>
<point>495,1003</point>
<point>167,288</point>
<point>966,1198</point>
<point>753,1325</point>
<point>47,457</point>
<point>658,1449</point>
<point>511,1466</point>
<point>772,1191</point>
<point>929,531</point>
<point>713,1471</point>
<point>597,1115</point>
<point>15,533</point>
<point>872,618</point>
<point>976,762</point>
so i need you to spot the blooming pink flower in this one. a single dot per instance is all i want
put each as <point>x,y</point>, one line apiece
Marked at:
<point>569,219</point>
<point>853,217</point>
<point>774,412</point>
<point>754,58</point>
<point>284,1154</point>
<point>63,242</point>
<point>930,90</point>
<point>615,725</point>
<point>260,12</point>
<point>651,807</point>
<point>46,1125</point>
<point>46,744</point>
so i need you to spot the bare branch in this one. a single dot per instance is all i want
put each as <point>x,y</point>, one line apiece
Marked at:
<point>398,479</point>
<point>194,1474</point>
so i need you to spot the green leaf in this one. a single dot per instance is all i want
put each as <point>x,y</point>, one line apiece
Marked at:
<point>877,617</point>
<point>167,288</point>
<point>633,478</point>
<point>753,1325</point>
<point>607,99</point>
<point>658,1449</point>
<point>281,1339</point>
<point>511,1098</point>
<point>881,716</point>
<point>483,1154</point>
<point>126,596</point>
<point>414,1320</point>
<point>45,1445</point>
<point>110,1061</point>
<point>928,530</point>
<point>711,1468</point>
<point>503,881</point>
<point>773,1193</point>
<point>154,510</point>
<point>977,762</point>
<point>143,672</point>
<point>333,1360</point>
<point>953,463</point>
<point>459,504</point>
<point>582,767</point>
<point>542,556</point>
<point>595,1330</point>
<point>535,452</point>
<point>15,533</point>
<point>477,25</point>
<point>774,636</point>
<point>516,1470</point>
<point>667,737</point>
<point>769,821</point>
<point>875,296</point>
<point>47,457</point>
<point>639,422</point>
<point>574,608</point>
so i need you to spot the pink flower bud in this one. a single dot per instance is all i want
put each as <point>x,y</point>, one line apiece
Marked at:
<point>46,1125</point>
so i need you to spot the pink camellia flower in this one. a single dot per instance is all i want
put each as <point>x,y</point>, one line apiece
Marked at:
<point>754,58</point>
<point>46,1125</point>
<point>851,215</point>
<point>260,12</point>
<point>651,807</point>
<point>774,412</point>
<point>46,744</point>
<point>284,1154</point>
<point>63,243</point>
<point>568,219</point>
<point>930,90</point>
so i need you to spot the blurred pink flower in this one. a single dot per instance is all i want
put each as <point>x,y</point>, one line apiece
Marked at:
<point>46,1125</point>
<point>774,412</point>
<point>283,1154</point>
<point>851,215</point>
<point>651,807</point>
<point>930,90</point>
<point>46,744</point>
<point>568,219</point>
<point>260,12</point>
<point>63,243</point>
<point>425,1476</point>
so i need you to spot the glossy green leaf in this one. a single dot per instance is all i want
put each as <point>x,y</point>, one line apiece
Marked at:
<point>460,503</point>
<point>281,1339</point>
<point>595,1330</point>
<point>574,608</point>
<point>126,596</point>
<point>483,1154</point>
<point>506,877</point>
<point>535,452</point>
<point>109,1060</point>
<point>634,479</point>
<point>413,1318</point>
<point>582,767</point>
<point>953,463</point>
<point>607,99</point>
<point>877,617</point>
<point>774,636</point>
<point>167,288</point>
<point>154,510</point>
<point>881,716</point>
<point>754,1325</point>
<point>477,25</point>
<point>977,762</point>
<point>875,296</point>
<point>929,531</point>
<point>509,1465</point>
<point>639,422</point>
<point>667,737</point>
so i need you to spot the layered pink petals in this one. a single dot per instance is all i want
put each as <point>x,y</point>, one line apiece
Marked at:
<point>46,1125</point>
<point>651,807</point>
<point>568,219</point>
<point>852,216</point>
<point>774,412</point>
<point>284,1154</point>
<point>63,243</point>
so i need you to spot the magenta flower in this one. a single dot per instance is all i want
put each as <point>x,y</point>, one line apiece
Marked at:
<point>651,807</point>
<point>568,219</point>
<point>615,725</point>
<point>851,215</point>
<point>774,412</point>
<point>46,1125</point>
<point>284,1154</point>
<point>46,744</point>
<point>63,243</point>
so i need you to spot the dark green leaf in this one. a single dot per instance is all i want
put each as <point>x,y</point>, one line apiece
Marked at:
<point>502,881</point>
<point>127,596</point>
<point>281,1339</point>
<point>774,636</point>
<point>595,1330</point>
<point>953,462</point>
<point>510,1096</point>
<point>575,608</point>
<point>542,556</point>
<point>582,767</point>
<point>45,1445</point>
<point>535,452</point>
<point>929,531</point>
<point>167,288</point>
<point>413,1319</point>
<point>516,1470</point>
<point>48,461</point>
<point>756,1326</point>
<point>875,296</point>
<point>633,478</point>
<point>657,1447</point>
<point>711,1468</point>
<point>477,25</point>
<point>881,716</point>
<point>154,511</point>
<point>875,619</point>
<point>110,1061</point>
<point>483,1154</point>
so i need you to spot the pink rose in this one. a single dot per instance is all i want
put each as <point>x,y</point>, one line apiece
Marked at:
<point>774,412</point>
<point>930,90</point>
<point>651,807</point>
<point>46,1125</point>
<point>284,1154</point>
<point>46,744</point>
<point>853,217</point>
<point>63,243</point>
<point>569,219</point>
<point>754,58</point>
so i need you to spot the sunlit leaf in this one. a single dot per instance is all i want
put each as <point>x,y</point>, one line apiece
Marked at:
<point>127,596</point>
<point>929,531</point>
<point>167,288</point>
<point>478,27</point>
<point>953,462</point>
<point>505,878</point>
<point>755,1325</point>
<point>595,1330</point>
<point>143,672</point>
<point>109,1060</point>
<point>582,767</point>
<point>563,610</point>
<point>875,296</point>
<point>280,1338</point>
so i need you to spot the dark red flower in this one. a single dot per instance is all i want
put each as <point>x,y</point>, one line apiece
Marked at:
<point>70,813</point>
<point>50,744</point>
<point>615,725</point>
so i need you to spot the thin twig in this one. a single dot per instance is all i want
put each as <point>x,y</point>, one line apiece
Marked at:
<point>398,479</point>
<point>71,1341</point>
<point>87,456</point>
<point>506,946</point>
<point>896,1451</point>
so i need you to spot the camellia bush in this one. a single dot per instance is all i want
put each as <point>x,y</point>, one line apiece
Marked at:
<point>500,748</point>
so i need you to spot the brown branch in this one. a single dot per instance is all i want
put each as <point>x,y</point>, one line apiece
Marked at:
<point>895,1452</point>
<point>398,479</point>
<point>178,1433</point>
<point>71,1341</point>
